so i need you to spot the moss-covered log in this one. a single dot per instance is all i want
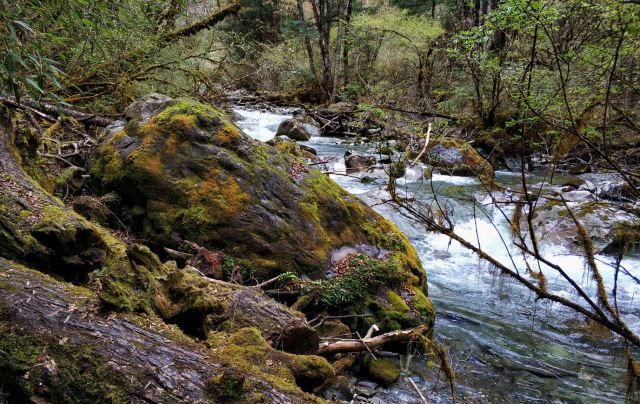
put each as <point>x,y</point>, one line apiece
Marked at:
<point>56,347</point>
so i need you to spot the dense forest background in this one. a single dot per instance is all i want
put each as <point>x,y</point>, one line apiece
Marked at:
<point>545,70</point>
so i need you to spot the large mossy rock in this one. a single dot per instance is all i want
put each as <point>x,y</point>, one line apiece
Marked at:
<point>455,157</point>
<point>188,173</point>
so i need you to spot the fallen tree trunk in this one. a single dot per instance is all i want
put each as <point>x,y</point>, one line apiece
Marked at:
<point>55,346</point>
<point>284,328</point>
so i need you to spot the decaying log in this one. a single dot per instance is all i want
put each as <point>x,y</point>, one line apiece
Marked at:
<point>364,344</point>
<point>151,361</point>
<point>284,328</point>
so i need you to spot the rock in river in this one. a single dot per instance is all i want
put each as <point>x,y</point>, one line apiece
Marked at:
<point>294,130</point>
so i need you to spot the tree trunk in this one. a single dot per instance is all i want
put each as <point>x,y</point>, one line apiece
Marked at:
<point>283,328</point>
<point>323,26</point>
<point>307,42</point>
<point>346,44</point>
<point>53,339</point>
<point>205,23</point>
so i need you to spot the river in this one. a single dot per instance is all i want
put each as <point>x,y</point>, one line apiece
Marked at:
<point>504,345</point>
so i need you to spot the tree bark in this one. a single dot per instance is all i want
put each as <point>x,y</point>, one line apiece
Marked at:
<point>307,42</point>
<point>152,362</point>
<point>323,26</point>
<point>282,327</point>
<point>346,44</point>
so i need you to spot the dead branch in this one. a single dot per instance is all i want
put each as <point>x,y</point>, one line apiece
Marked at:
<point>45,110</point>
<point>424,148</point>
<point>357,345</point>
<point>205,23</point>
<point>415,387</point>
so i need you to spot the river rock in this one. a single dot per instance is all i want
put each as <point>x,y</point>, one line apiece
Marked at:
<point>357,162</point>
<point>381,370</point>
<point>290,146</point>
<point>188,173</point>
<point>602,221</point>
<point>294,130</point>
<point>456,157</point>
<point>611,187</point>
<point>147,106</point>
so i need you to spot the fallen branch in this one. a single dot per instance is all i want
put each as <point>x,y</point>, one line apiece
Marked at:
<point>177,254</point>
<point>357,345</point>
<point>45,109</point>
<point>424,400</point>
<point>205,23</point>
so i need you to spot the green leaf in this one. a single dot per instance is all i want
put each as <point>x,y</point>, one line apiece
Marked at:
<point>24,26</point>
<point>32,83</point>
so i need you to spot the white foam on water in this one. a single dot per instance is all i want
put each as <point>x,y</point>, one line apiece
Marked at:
<point>260,125</point>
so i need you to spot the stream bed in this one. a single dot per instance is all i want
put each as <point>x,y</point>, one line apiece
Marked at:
<point>504,346</point>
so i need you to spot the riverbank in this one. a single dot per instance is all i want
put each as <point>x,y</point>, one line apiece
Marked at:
<point>504,345</point>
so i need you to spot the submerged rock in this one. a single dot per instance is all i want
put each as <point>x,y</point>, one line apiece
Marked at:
<point>294,130</point>
<point>381,370</point>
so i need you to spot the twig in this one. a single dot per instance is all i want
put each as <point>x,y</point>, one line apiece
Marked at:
<point>369,334</point>
<point>424,400</point>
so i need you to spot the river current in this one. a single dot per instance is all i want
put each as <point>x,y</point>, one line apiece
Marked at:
<point>504,346</point>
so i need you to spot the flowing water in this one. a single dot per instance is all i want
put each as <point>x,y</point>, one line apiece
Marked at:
<point>504,345</point>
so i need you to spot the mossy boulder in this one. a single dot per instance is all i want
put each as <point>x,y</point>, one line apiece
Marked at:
<point>608,226</point>
<point>187,173</point>
<point>456,157</point>
<point>381,370</point>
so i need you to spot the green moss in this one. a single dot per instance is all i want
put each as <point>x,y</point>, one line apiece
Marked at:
<point>227,387</point>
<point>381,370</point>
<point>397,169</point>
<point>333,328</point>
<point>75,374</point>
<point>384,235</point>
<point>397,302</point>
<point>250,355</point>
<point>205,115</point>
<point>310,371</point>
<point>364,276</point>
<point>422,306</point>
<point>55,220</point>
